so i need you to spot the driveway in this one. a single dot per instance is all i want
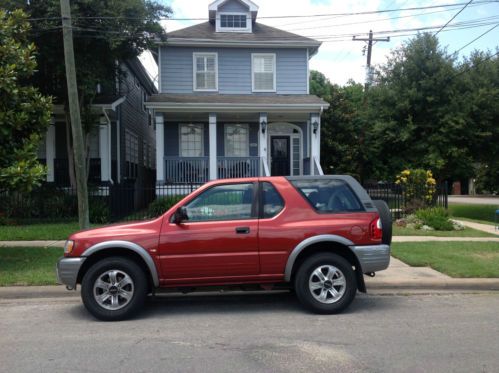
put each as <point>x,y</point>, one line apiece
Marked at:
<point>255,333</point>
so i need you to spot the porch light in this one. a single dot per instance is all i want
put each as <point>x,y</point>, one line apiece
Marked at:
<point>315,126</point>
<point>263,123</point>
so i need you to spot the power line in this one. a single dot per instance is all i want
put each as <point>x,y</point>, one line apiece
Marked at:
<point>455,15</point>
<point>478,37</point>
<point>284,16</point>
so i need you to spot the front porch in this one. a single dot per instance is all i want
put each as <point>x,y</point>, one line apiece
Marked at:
<point>195,144</point>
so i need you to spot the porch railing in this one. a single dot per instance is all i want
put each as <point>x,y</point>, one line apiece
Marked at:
<point>186,170</point>
<point>235,167</point>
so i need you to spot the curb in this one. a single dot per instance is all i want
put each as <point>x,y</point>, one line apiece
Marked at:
<point>472,284</point>
<point>481,284</point>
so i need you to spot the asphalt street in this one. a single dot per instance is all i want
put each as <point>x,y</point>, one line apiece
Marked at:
<point>267,332</point>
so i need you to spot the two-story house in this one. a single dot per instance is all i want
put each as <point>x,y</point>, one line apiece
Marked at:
<point>234,100</point>
<point>121,144</point>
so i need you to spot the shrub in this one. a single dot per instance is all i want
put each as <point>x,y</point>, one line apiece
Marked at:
<point>99,212</point>
<point>419,188</point>
<point>435,217</point>
<point>162,204</point>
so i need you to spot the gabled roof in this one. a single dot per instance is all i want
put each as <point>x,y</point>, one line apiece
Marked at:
<point>204,34</point>
<point>213,7</point>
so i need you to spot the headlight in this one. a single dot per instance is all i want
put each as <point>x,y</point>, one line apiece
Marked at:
<point>68,247</point>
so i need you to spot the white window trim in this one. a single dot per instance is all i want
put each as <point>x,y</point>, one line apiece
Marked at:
<point>249,22</point>
<point>247,142</point>
<point>201,125</point>
<point>253,55</point>
<point>194,79</point>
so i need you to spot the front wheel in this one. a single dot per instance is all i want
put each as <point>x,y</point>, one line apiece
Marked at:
<point>114,289</point>
<point>325,283</point>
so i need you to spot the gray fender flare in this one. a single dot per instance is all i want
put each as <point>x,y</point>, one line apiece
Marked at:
<point>128,246</point>
<point>310,241</point>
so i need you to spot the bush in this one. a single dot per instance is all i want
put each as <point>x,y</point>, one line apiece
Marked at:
<point>99,212</point>
<point>419,188</point>
<point>435,217</point>
<point>162,204</point>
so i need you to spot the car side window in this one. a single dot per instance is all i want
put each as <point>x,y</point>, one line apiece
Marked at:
<point>222,202</point>
<point>329,196</point>
<point>272,201</point>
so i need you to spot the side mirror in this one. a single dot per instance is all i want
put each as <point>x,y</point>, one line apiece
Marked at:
<point>180,215</point>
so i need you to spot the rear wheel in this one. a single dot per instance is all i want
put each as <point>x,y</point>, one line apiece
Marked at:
<point>114,289</point>
<point>325,283</point>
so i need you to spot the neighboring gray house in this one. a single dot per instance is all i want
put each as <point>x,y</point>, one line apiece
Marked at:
<point>234,100</point>
<point>121,145</point>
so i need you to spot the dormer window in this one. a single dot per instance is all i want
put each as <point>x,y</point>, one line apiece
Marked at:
<point>233,22</point>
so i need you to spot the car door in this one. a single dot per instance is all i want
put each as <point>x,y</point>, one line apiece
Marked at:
<point>217,242</point>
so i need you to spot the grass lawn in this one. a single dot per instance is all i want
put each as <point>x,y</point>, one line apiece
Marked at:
<point>456,259</point>
<point>53,231</point>
<point>479,213</point>
<point>466,232</point>
<point>28,266</point>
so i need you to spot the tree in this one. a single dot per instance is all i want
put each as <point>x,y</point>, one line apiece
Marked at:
<point>104,32</point>
<point>419,118</point>
<point>24,112</point>
<point>479,75</point>
<point>345,128</point>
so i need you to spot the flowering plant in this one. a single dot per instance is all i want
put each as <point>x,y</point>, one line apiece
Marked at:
<point>419,187</point>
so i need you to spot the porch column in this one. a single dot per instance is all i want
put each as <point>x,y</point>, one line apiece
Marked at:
<point>262,143</point>
<point>315,141</point>
<point>213,146</point>
<point>105,159</point>
<point>160,149</point>
<point>50,151</point>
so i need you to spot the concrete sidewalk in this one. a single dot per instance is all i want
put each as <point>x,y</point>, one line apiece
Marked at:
<point>479,226</point>
<point>443,239</point>
<point>402,276</point>
<point>38,243</point>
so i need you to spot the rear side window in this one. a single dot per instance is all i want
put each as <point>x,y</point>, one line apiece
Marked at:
<point>271,200</point>
<point>328,195</point>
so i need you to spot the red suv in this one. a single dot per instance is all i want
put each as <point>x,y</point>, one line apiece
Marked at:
<point>316,234</point>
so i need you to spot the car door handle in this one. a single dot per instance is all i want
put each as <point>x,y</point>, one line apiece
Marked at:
<point>242,230</point>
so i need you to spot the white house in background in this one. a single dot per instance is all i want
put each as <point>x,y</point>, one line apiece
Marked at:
<point>234,100</point>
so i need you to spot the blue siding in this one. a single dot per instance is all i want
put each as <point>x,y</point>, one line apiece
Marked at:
<point>234,69</point>
<point>233,6</point>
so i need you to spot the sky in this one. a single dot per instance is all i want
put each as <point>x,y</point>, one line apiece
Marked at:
<point>339,57</point>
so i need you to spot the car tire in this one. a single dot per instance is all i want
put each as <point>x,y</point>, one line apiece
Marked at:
<point>386,220</point>
<point>330,293</point>
<point>114,289</point>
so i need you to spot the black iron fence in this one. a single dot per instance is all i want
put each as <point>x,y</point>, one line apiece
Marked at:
<point>127,202</point>
<point>403,200</point>
<point>124,202</point>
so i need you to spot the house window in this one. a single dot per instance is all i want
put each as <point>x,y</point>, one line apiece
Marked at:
<point>233,21</point>
<point>191,140</point>
<point>131,154</point>
<point>263,71</point>
<point>205,71</point>
<point>236,140</point>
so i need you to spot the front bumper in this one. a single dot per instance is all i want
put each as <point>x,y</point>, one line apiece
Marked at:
<point>67,270</point>
<point>372,258</point>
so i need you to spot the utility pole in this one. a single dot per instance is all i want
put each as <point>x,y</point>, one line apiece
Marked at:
<point>370,40</point>
<point>74,111</point>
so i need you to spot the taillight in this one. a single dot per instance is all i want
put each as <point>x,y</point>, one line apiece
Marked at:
<point>376,229</point>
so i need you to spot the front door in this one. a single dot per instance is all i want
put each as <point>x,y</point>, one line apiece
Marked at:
<point>280,156</point>
<point>219,240</point>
